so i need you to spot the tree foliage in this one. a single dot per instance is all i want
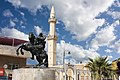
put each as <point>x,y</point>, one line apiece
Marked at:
<point>100,68</point>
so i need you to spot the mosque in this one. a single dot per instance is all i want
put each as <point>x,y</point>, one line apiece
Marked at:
<point>66,71</point>
<point>9,60</point>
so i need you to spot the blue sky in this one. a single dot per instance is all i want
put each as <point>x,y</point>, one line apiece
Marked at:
<point>85,28</point>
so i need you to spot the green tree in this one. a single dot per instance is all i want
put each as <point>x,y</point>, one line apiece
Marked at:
<point>99,67</point>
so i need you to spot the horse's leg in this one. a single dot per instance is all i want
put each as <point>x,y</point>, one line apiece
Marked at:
<point>39,60</point>
<point>32,55</point>
<point>21,51</point>
<point>17,51</point>
<point>46,60</point>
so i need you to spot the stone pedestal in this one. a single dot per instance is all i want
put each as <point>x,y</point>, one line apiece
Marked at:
<point>33,74</point>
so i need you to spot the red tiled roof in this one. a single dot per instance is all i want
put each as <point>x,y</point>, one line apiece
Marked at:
<point>11,41</point>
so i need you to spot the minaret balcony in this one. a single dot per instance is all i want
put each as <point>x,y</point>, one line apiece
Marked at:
<point>52,37</point>
<point>52,20</point>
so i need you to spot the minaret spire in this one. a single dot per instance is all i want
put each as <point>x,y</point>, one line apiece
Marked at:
<point>52,13</point>
<point>52,39</point>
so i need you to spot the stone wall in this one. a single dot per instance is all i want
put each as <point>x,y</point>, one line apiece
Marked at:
<point>33,74</point>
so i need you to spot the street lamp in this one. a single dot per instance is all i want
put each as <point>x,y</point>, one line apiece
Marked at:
<point>64,56</point>
<point>64,66</point>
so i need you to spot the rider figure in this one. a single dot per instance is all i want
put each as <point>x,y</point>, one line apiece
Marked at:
<point>38,43</point>
<point>40,40</point>
<point>32,40</point>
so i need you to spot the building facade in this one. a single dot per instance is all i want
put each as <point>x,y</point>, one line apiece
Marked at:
<point>72,72</point>
<point>8,58</point>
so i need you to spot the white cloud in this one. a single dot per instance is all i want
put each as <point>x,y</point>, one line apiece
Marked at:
<point>77,19</point>
<point>15,20</point>
<point>108,51</point>
<point>109,57</point>
<point>117,3</point>
<point>38,30</point>
<point>15,2</point>
<point>7,13</point>
<point>23,27</point>
<point>116,23</point>
<point>22,13</point>
<point>116,46</point>
<point>114,14</point>
<point>31,5</point>
<point>12,24</point>
<point>77,52</point>
<point>13,33</point>
<point>78,16</point>
<point>104,37</point>
<point>21,22</point>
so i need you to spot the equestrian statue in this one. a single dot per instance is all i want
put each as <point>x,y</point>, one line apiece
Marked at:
<point>36,47</point>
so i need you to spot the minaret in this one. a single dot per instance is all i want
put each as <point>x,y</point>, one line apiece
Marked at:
<point>52,38</point>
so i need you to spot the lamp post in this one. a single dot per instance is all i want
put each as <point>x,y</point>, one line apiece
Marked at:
<point>64,66</point>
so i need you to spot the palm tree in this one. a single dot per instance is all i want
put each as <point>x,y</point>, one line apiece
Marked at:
<point>92,66</point>
<point>99,67</point>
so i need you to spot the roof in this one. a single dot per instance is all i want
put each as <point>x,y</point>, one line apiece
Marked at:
<point>11,41</point>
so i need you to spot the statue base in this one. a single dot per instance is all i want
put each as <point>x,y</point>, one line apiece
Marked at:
<point>33,74</point>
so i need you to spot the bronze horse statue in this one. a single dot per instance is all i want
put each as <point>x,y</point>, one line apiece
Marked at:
<point>36,47</point>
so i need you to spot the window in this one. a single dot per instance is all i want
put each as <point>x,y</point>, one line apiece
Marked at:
<point>15,66</point>
<point>12,66</point>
